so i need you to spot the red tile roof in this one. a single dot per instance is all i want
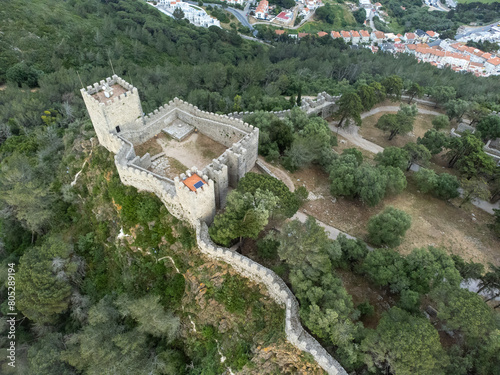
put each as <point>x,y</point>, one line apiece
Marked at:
<point>336,34</point>
<point>410,36</point>
<point>364,33</point>
<point>322,34</point>
<point>355,34</point>
<point>279,32</point>
<point>194,182</point>
<point>494,61</point>
<point>301,35</point>
<point>430,33</point>
<point>345,34</point>
<point>379,35</point>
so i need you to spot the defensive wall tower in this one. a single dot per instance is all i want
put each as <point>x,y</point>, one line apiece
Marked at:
<point>114,106</point>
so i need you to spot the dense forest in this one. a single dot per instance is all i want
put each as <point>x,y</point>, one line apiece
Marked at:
<point>101,296</point>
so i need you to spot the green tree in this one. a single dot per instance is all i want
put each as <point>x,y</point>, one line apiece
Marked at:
<point>108,341</point>
<point>150,316</point>
<point>371,184</point>
<point>326,13</point>
<point>428,268</point>
<point>405,345</point>
<point>426,180</point>
<point>417,154</point>
<point>465,312</point>
<point>244,217</point>
<point>27,194</point>
<point>393,86</point>
<point>353,251</point>
<point>367,95</point>
<point>415,90</point>
<point>386,267</point>
<point>388,227</point>
<point>474,188</point>
<point>23,74</point>
<point>343,176</point>
<point>477,112</point>
<point>442,94</point>
<point>447,187</point>
<point>395,180</point>
<point>393,157</point>
<point>456,109</point>
<point>489,127</point>
<point>402,122</point>
<point>440,122</point>
<point>288,203</point>
<point>45,356</point>
<point>467,154</point>
<point>360,15</point>
<point>350,108</point>
<point>43,280</point>
<point>433,140</point>
<point>380,92</point>
<point>468,270</point>
<point>179,14</point>
<point>306,246</point>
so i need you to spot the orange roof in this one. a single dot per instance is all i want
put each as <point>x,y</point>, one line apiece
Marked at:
<point>345,34</point>
<point>411,46</point>
<point>397,40</point>
<point>378,4</point>
<point>364,33</point>
<point>301,35</point>
<point>410,36</point>
<point>495,61</point>
<point>322,34</point>
<point>430,33</point>
<point>279,32</point>
<point>355,34</point>
<point>486,56</point>
<point>335,34</point>
<point>379,35</point>
<point>479,65</point>
<point>194,182</point>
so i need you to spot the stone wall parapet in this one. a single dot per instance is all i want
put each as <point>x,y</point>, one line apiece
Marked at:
<point>280,293</point>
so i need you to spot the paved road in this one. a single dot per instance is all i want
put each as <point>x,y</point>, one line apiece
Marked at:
<point>472,30</point>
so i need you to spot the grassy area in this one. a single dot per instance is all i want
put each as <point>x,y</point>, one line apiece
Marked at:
<point>422,123</point>
<point>375,135</point>
<point>343,20</point>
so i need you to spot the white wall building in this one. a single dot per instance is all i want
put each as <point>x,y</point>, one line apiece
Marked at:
<point>194,14</point>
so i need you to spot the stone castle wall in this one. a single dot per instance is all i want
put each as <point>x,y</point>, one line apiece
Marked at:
<point>280,293</point>
<point>197,208</point>
<point>324,105</point>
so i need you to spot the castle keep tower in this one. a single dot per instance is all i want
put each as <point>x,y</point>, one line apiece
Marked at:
<point>114,106</point>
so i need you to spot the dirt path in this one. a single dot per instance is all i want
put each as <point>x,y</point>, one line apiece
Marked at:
<point>281,175</point>
<point>393,108</point>
<point>351,134</point>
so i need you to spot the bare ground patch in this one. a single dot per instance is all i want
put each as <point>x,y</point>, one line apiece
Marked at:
<point>463,231</point>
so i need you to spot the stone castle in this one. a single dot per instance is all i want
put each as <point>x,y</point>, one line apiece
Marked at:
<point>115,109</point>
